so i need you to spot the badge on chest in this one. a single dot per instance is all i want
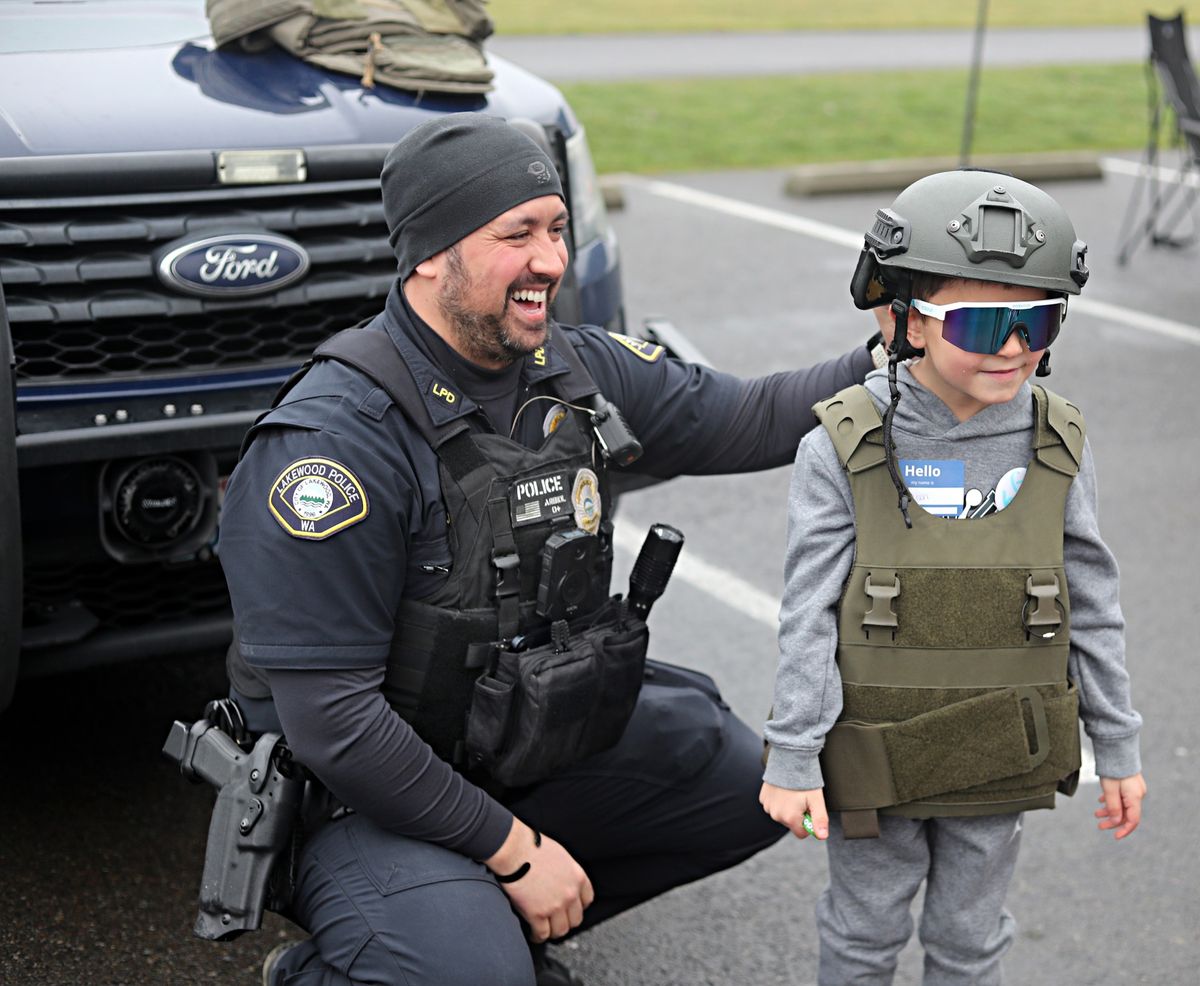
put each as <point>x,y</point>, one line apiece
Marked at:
<point>557,493</point>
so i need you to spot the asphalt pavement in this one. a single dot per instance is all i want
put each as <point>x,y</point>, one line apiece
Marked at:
<point>614,57</point>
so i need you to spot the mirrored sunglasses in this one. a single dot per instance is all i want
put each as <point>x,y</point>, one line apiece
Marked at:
<point>983,327</point>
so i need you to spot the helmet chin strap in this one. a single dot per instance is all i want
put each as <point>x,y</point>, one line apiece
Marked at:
<point>1043,367</point>
<point>899,349</point>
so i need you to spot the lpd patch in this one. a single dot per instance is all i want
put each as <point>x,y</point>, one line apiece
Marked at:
<point>649,351</point>
<point>315,498</point>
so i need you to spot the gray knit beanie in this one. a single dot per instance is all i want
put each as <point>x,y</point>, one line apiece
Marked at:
<point>451,175</point>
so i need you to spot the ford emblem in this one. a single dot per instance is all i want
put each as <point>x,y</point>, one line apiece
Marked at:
<point>232,265</point>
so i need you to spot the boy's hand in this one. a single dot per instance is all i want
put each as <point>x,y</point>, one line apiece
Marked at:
<point>788,807</point>
<point>1122,801</point>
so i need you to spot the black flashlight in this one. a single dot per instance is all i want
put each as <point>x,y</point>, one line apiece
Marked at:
<point>653,567</point>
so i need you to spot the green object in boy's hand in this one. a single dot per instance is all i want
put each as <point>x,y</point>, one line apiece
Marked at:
<point>808,825</point>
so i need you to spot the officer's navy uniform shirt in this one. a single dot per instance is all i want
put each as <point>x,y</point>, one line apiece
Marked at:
<point>329,605</point>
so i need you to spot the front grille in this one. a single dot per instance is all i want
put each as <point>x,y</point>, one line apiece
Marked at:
<point>84,305</point>
<point>124,596</point>
<point>252,337</point>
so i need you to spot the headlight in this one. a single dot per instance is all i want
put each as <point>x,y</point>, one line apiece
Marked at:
<point>588,214</point>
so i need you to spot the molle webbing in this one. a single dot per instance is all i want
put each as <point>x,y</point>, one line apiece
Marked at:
<point>433,667</point>
<point>953,635</point>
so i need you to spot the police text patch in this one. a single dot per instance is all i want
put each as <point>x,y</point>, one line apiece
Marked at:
<point>540,498</point>
<point>315,498</point>
<point>649,351</point>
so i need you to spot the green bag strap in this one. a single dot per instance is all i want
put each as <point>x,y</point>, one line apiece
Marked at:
<point>854,426</point>
<point>1059,432</point>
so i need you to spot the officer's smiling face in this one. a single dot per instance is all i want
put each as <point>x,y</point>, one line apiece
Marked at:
<point>496,284</point>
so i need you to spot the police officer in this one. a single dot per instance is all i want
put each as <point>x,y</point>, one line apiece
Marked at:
<point>386,538</point>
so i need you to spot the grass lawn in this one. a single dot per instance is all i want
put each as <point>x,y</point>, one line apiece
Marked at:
<point>558,17</point>
<point>692,124</point>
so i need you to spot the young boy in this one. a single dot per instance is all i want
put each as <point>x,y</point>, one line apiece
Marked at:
<point>933,666</point>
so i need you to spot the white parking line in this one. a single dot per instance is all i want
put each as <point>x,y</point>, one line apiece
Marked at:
<point>718,582</point>
<point>1179,331</point>
<point>1123,166</point>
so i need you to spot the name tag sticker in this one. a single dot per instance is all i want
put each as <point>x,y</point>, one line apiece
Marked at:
<point>936,484</point>
<point>541,498</point>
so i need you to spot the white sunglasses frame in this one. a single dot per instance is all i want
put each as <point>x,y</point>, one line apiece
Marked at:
<point>939,311</point>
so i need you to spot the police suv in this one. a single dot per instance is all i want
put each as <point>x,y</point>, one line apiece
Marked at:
<point>179,227</point>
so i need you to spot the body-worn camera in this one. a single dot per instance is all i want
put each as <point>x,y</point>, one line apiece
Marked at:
<point>568,569</point>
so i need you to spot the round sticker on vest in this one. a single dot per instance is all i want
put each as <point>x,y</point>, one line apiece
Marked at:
<point>585,495</point>
<point>314,498</point>
<point>554,417</point>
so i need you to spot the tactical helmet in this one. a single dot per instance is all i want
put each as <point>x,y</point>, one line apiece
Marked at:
<point>971,224</point>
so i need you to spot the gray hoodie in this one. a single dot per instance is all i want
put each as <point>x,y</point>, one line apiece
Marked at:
<point>808,692</point>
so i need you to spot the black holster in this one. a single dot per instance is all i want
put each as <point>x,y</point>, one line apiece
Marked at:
<point>259,794</point>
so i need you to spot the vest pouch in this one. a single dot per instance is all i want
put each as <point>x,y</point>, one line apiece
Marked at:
<point>487,725</point>
<point>541,710</point>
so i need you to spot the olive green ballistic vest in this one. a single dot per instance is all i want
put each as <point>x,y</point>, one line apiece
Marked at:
<point>953,638</point>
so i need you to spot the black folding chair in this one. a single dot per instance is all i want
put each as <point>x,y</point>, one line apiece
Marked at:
<point>1173,85</point>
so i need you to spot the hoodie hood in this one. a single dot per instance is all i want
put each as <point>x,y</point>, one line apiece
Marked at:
<point>922,413</point>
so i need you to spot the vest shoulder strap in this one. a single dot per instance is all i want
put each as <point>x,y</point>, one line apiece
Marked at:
<point>375,356</point>
<point>577,383</point>
<point>1060,432</point>
<point>854,426</point>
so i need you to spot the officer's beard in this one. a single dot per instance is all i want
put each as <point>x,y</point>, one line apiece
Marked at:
<point>482,337</point>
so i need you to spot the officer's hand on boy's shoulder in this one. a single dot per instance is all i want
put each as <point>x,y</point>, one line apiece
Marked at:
<point>788,807</point>
<point>1121,801</point>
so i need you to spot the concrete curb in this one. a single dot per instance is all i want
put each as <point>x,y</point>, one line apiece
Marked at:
<point>874,176</point>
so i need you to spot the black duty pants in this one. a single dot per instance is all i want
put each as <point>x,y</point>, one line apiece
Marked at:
<point>675,800</point>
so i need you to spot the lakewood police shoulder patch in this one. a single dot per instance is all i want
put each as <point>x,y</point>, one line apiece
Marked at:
<point>314,498</point>
<point>649,351</point>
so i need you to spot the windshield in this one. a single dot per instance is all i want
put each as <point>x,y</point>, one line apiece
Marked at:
<point>72,25</point>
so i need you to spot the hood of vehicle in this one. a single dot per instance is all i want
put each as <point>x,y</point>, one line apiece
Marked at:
<point>189,96</point>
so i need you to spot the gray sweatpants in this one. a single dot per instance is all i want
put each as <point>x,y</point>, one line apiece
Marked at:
<point>863,916</point>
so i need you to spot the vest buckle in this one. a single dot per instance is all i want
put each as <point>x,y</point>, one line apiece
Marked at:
<point>505,562</point>
<point>1047,612</point>
<point>881,613</point>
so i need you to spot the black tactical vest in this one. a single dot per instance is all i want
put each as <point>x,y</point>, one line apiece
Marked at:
<point>473,666</point>
<point>953,638</point>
